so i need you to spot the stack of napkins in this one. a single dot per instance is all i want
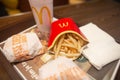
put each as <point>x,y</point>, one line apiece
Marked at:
<point>102,48</point>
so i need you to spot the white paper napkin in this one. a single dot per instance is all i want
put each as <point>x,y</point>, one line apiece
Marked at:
<point>102,48</point>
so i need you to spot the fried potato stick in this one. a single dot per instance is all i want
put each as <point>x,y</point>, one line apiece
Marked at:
<point>59,45</point>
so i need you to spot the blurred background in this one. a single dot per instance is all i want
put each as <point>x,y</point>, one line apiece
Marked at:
<point>11,7</point>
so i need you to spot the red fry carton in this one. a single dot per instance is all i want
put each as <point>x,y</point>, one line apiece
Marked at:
<point>62,26</point>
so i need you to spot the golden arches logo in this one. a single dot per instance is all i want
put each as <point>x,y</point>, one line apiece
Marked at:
<point>39,14</point>
<point>62,25</point>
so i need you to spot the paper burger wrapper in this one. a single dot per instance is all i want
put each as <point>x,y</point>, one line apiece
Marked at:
<point>62,69</point>
<point>21,47</point>
<point>66,26</point>
<point>102,48</point>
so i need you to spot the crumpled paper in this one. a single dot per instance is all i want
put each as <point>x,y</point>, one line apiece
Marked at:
<point>102,48</point>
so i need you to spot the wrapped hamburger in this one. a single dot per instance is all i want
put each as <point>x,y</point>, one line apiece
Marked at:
<point>62,68</point>
<point>21,47</point>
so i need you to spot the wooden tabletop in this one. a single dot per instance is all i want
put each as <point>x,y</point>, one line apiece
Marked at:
<point>104,13</point>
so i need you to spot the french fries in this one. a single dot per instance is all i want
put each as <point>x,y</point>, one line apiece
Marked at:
<point>68,45</point>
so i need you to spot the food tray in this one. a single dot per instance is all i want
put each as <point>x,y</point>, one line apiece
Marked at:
<point>28,70</point>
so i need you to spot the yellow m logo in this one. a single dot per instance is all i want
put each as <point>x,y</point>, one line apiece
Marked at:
<point>39,14</point>
<point>62,25</point>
